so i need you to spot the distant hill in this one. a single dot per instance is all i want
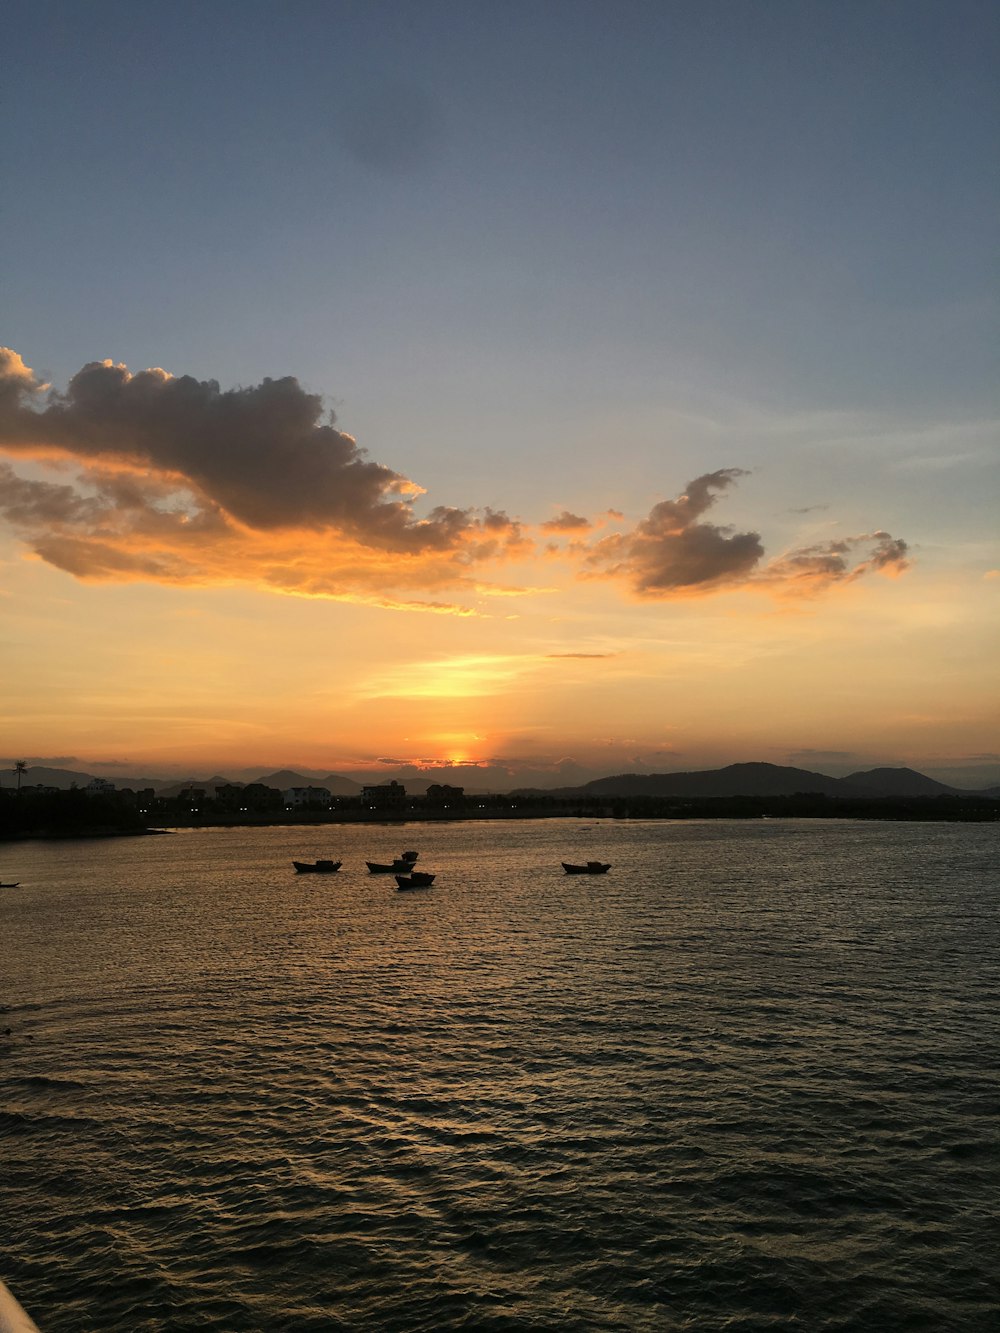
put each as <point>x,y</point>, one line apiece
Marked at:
<point>205,784</point>
<point>65,778</point>
<point>899,782</point>
<point>339,786</point>
<point>762,780</point>
<point>735,780</point>
<point>753,779</point>
<point>287,777</point>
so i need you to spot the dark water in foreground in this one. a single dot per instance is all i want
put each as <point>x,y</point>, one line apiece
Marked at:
<point>747,1081</point>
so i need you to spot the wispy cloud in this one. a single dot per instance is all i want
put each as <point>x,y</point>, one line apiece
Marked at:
<point>812,567</point>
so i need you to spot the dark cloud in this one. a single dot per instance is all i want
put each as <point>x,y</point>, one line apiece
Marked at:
<point>567,522</point>
<point>269,455</point>
<point>889,553</point>
<point>831,562</point>
<point>43,503</point>
<point>673,550</point>
<point>180,481</point>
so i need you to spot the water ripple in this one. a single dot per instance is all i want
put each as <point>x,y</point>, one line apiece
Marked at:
<point>746,1083</point>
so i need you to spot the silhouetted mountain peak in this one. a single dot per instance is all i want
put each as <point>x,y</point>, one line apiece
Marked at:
<point>746,779</point>
<point>899,782</point>
<point>287,777</point>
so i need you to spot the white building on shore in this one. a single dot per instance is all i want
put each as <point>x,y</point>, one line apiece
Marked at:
<point>296,798</point>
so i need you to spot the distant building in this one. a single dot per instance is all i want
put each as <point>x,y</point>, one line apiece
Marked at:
<point>99,787</point>
<point>386,796</point>
<point>297,798</point>
<point>439,793</point>
<point>258,797</point>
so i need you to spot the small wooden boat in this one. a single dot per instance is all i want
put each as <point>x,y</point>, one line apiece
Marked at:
<point>418,880</point>
<point>14,885</point>
<point>316,867</point>
<point>590,868</point>
<point>398,867</point>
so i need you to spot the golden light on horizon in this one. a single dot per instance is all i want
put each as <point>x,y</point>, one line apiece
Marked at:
<point>460,748</point>
<point>464,676</point>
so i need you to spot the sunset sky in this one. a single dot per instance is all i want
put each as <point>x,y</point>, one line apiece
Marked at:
<point>554,389</point>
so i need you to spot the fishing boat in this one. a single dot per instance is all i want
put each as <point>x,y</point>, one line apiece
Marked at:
<point>589,868</point>
<point>14,885</point>
<point>418,880</point>
<point>400,866</point>
<point>316,867</point>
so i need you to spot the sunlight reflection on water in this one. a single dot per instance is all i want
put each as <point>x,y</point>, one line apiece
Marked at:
<point>746,1080</point>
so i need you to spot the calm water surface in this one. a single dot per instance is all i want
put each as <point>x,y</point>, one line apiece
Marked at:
<point>747,1081</point>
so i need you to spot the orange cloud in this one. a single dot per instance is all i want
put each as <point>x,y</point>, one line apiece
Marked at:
<point>181,482</point>
<point>126,528</point>
<point>268,457</point>
<point>175,480</point>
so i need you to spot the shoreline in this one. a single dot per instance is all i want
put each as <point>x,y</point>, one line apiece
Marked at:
<point>950,810</point>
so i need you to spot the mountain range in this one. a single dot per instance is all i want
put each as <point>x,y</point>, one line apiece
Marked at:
<point>753,779</point>
<point>759,779</point>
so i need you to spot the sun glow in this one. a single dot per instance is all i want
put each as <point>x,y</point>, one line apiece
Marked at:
<point>455,749</point>
<point>467,676</point>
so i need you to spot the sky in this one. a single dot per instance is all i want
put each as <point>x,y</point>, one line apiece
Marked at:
<point>532,390</point>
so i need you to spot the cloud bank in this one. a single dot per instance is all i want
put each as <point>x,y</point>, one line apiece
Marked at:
<point>179,476</point>
<point>178,481</point>
<point>269,455</point>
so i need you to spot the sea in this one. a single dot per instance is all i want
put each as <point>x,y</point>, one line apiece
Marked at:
<point>749,1080</point>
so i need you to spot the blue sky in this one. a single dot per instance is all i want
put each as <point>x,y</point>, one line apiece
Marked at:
<point>785,190</point>
<point>541,256</point>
